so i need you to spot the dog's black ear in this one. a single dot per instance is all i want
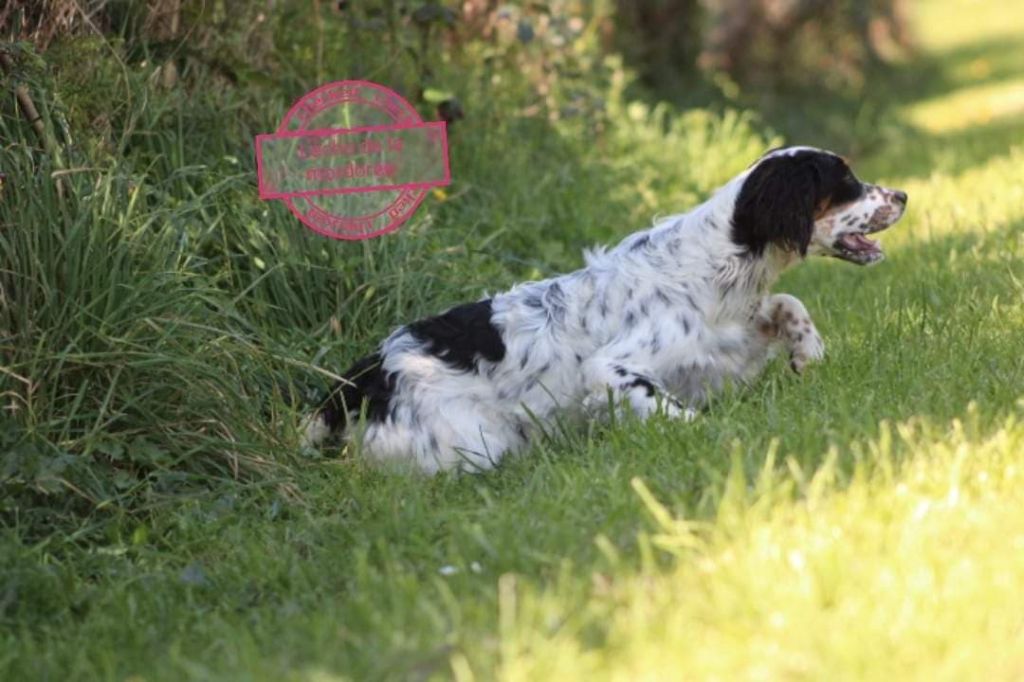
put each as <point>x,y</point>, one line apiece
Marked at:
<point>777,203</point>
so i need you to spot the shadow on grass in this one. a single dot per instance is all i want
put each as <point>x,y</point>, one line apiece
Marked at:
<point>941,72</point>
<point>873,123</point>
<point>870,122</point>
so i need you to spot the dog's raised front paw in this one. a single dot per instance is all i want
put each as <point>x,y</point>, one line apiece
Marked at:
<point>807,347</point>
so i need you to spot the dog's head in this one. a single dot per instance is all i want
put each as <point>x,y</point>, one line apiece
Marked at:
<point>808,201</point>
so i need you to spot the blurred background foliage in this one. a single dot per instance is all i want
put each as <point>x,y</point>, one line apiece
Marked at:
<point>566,52</point>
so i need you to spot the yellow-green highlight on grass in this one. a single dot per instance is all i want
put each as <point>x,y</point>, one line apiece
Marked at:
<point>906,568</point>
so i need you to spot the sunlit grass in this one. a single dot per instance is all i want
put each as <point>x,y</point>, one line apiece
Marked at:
<point>908,568</point>
<point>981,199</point>
<point>978,105</point>
<point>943,25</point>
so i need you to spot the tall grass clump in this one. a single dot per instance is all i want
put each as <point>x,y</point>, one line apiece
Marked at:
<point>124,374</point>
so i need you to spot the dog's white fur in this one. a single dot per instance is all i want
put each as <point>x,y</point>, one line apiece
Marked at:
<point>660,320</point>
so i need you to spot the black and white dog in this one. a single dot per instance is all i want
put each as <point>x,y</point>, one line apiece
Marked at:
<point>659,321</point>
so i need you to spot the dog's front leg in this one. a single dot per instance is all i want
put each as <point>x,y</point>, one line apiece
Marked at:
<point>783,318</point>
<point>627,383</point>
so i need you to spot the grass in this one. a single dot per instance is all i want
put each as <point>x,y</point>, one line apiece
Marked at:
<point>858,522</point>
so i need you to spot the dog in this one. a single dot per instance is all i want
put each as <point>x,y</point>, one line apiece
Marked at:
<point>655,324</point>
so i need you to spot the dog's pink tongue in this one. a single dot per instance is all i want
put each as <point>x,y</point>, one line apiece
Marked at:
<point>859,242</point>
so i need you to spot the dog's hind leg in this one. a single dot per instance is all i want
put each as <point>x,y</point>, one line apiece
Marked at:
<point>365,387</point>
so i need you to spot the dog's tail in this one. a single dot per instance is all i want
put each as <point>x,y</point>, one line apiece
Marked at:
<point>363,386</point>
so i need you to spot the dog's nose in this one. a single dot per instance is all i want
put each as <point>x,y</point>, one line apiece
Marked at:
<point>900,197</point>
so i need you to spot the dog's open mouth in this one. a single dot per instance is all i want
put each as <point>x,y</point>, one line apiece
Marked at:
<point>857,248</point>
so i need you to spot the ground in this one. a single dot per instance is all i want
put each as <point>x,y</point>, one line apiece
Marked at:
<point>861,521</point>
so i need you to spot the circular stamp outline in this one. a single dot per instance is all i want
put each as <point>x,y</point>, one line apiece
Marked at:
<point>400,112</point>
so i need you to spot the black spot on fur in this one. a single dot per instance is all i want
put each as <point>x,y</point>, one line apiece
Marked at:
<point>555,300</point>
<point>630,320</point>
<point>685,321</point>
<point>640,243</point>
<point>641,382</point>
<point>779,199</point>
<point>462,335</point>
<point>365,383</point>
<point>621,371</point>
